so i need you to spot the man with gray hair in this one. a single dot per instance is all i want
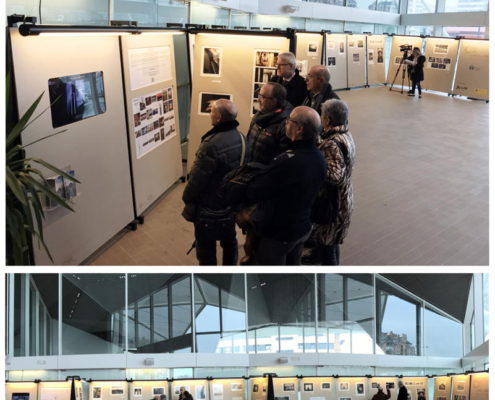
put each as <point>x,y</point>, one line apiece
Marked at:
<point>288,76</point>
<point>319,87</point>
<point>221,150</point>
<point>285,192</point>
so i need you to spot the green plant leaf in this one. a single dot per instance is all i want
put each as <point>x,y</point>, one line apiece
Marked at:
<point>15,187</point>
<point>47,191</point>
<point>55,169</point>
<point>43,138</point>
<point>19,127</point>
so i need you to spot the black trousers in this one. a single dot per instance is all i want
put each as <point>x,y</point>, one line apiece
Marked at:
<point>414,84</point>
<point>276,252</point>
<point>207,233</point>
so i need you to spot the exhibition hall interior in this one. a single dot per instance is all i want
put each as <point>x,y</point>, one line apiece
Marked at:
<point>127,88</point>
<point>115,336</point>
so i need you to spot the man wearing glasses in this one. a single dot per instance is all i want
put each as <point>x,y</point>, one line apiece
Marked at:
<point>319,88</point>
<point>288,76</point>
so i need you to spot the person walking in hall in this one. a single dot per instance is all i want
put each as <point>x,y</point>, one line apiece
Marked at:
<point>319,87</point>
<point>285,192</point>
<point>332,209</point>
<point>222,149</point>
<point>288,76</point>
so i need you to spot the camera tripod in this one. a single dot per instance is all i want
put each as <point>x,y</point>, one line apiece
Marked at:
<point>402,65</point>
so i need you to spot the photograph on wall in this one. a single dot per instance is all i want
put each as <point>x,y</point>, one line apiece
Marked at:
<point>326,386</point>
<point>288,387</point>
<point>390,385</point>
<point>200,392</point>
<point>460,386</point>
<point>371,57</point>
<point>255,388</point>
<point>360,43</point>
<point>206,100</point>
<point>138,392</point>
<point>157,391</point>
<point>70,187</point>
<point>332,61</point>
<point>236,386</point>
<point>56,183</point>
<point>149,66</point>
<point>355,58</point>
<point>330,45</point>
<point>265,67</point>
<point>76,97</point>
<point>308,387</point>
<point>117,390</point>
<point>341,48</point>
<point>96,392</point>
<point>421,394</point>
<point>441,48</point>
<point>217,389</point>
<point>312,49</point>
<point>264,388</point>
<point>302,66</point>
<point>20,396</point>
<point>442,387</point>
<point>375,385</point>
<point>211,61</point>
<point>441,63</point>
<point>351,44</point>
<point>343,386</point>
<point>359,389</point>
<point>156,122</point>
<point>379,55</point>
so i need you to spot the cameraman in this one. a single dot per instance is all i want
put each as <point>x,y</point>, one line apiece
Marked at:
<point>415,64</point>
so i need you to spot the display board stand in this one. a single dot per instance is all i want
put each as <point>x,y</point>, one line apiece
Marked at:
<point>356,60</point>
<point>376,60</point>
<point>336,59</point>
<point>309,50</point>
<point>439,67</point>
<point>234,65</point>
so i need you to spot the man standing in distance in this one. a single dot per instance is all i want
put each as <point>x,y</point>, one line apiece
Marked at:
<point>319,88</point>
<point>402,395</point>
<point>288,76</point>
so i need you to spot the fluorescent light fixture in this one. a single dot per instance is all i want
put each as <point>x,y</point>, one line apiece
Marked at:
<point>64,30</point>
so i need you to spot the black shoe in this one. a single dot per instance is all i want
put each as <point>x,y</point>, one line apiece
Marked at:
<point>419,96</point>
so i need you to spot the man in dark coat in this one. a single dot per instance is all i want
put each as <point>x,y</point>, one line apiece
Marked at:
<point>415,63</point>
<point>288,76</point>
<point>285,192</point>
<point>266,135</point>
<point>319,88</point>
<point>380,395</point>
<point>221,150</point>
<point>402,395</point>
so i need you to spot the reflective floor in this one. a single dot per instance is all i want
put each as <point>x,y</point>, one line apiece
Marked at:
<point>420,185</point>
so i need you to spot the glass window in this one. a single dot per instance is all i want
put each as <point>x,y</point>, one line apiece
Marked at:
<point>172,11</point>
<point>421,6</point>
<point>379,29</point>
<point>239,19</point>
<point>35,314</point>
<point>391,6</point>
<point>279,307</point>
<point>397,321</point>
<point>275,21</point>
<point>366,4</point>
<point>208,15</point>
<point>442,335</point>
<point>469,32</point>
<point>89,303</point>
<point>486,305</point>
<point>420,30</point>
<point>466,5</point>
<point>358,28</point>
<point>319,24</point>
<point>333,2</point>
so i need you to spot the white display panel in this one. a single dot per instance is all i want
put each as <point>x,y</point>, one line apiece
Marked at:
<point>479,386</point>
<point>460,387</point>
<point>226,389</point>
<point>198,389</point>
<point>237,55</point>
<point>356,60</point>
<point>439,67</point>
<point>376,59</point>
<point>94,148</point>
<point>471,78</point>
<point>309,48</point>
<point>323,388</point>
<point>19,391</point>
<point>153,118</point>
<point>384,382</point>
<point>54,390</point>
<point>351,388</point>
<point>417,387</point>
<point>442,387</point>
<point>108,390</point>
<point>145,390</point>
<point>336,59</point>
<point>286,388</point>
<point>396,55</point>
<point>259,388</point>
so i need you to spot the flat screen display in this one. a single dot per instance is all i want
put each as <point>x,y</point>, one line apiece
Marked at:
<point>20,396</point>
<point>76,97</point>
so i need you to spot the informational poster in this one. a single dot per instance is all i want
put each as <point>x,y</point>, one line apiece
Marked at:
<point>154,120</point>
<point>336,58</point>
<point>265,67</point>
<point>148,66</point>
<point>442,388</point>
<point>416,387</point>
<point>440,63</point>
<point>439,67</point>
<point>308,51</point>
<point>441,48</point>
<point>145,390</point>
<point>287,388</point>
<point>460,387</point>
<point>472,75</point>
<point>376,56</point>
<point>479,386</point>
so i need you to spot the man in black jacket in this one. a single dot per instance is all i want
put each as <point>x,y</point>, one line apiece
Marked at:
<point>221,150</point>
<point>285,192</point>
<point>288,76</point>
<point>402,395</point>
<point>266,135</point>
<point>319,88</point>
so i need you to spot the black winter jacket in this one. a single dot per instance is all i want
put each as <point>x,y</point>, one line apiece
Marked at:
<point>296,88</point>
<point>317,100</point>
<point>219,152</point>
<point>285,193</point>
<point>416,71</point>
<point>266,135</point>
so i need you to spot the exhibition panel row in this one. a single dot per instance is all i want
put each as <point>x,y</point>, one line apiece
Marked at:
<point>472,386</point>
<point>116,98</point>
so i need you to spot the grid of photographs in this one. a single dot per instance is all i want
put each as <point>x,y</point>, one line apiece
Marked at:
<point>265,67</point>
<point>154,120</point>
<point>441,63</point>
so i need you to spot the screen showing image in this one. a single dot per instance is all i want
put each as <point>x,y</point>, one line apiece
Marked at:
<point>20,396</point>
<point>76,97</point>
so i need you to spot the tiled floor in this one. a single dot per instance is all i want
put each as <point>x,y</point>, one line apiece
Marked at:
<point>420,183</point>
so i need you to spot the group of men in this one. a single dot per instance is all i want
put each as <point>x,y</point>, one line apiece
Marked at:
<point>285,172</point>
<point>401,395</point>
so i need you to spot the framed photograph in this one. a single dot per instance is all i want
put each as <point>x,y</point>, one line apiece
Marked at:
<point>442,387</point>
<point>288,387</point>
<point>206,100</point>
<point>331,61</point>
<point>266,58</point>
<point>308,387</point>
<point>360,389</point>
<point>312,49</point>
<point>360,43</point>
<point>371,57</point>
<point>375,385</point>
<point>117,390</point>
<point>421,394</point>
<point>157,391</point>
<point>200,392</point>
<point>326,386</point>
<point>255,388</point>
<point>398,60</point>
<point>236,386</point>
<point>341,48</point>
<point>344,386</point>
<point>379,55</point>
<point>211,64</point>
<point>390,385</point>
<point>355,57</point>
<point>20,396</point>
<point>96,392</point>
<point>137,392</point>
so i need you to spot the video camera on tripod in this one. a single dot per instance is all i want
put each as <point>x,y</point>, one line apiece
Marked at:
<point>405,49</point>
